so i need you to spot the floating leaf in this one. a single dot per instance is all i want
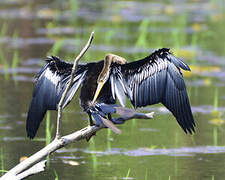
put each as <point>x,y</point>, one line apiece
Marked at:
<point>196,27</point>
<point>185,53</point>
<point>195,69</point>
<point>217,121</point>
<point>46,13</point>
<point>150,148</point>
<point>205,68</point>
<point>217,17</point>
<point>170,9</point>
<point>207,81</point>
<point>72,163</point>
<point>23,158</point>
<point>116,18</point>
<point>215,113</point>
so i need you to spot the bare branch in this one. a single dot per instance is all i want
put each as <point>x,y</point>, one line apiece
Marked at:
<point>37,168</point>
<point>59,143</point>
<point>35,164</point>
<point>59,117</point>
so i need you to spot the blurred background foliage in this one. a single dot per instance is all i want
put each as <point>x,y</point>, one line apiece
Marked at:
<point>156,149</point>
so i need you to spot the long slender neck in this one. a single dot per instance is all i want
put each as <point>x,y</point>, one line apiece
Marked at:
<point>107,63</point>
<point>105,69</point>
<point>104,75</point>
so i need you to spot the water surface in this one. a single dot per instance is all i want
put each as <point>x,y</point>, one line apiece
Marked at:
<point>147,149</point>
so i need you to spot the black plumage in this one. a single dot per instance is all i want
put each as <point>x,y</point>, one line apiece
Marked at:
<point>154,79</point>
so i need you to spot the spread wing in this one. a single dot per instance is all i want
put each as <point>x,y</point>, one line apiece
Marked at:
<point>50,83</point>
<point>154,79</point>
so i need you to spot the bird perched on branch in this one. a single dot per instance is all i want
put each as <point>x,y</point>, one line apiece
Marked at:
<point>154,79</point>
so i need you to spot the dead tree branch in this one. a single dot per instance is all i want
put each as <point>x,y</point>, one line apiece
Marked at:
<point>48,149</point>
<point>60,108</point>
<point>36,163</point>
<point>24,167</point>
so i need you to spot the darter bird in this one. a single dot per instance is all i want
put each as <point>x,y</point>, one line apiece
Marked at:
<point>154,79</point>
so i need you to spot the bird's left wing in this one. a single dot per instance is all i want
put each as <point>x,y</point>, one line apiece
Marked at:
<point>154,79</point>
<point>50,84</point>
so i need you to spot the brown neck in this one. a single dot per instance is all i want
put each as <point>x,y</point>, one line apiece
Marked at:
<point>107,63</point>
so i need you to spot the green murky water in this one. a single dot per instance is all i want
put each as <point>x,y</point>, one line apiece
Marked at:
<point>154,149</point>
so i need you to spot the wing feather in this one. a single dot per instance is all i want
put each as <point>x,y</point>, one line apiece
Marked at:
<point>50,84</point>
<point>156,79</point>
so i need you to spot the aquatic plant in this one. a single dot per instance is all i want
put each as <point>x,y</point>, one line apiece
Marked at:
<point>57,47</point>
<point>216,98</point>
<point>128,173</point>
<point>109,139</point>
<point>48,129</point>
<point>4,30</point>
<point>3,59</point>
<point>15,60</point>
<point>215,136</point>
<point>93,155</point>
<point>56,175</point>
<point>146,174</point>
<point>2,161</point>
<point>143,34</point>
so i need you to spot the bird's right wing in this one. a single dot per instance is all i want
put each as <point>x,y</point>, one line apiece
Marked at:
<point>154,79</point>
<point>50,84</point>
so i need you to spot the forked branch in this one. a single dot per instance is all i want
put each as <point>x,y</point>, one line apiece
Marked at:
<point>36,163</point>
<point>26,167</point>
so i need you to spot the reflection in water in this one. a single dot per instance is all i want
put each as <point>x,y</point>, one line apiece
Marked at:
<point>182,151</point>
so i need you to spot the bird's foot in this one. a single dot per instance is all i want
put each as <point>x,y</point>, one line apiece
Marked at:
<point>119,120</point>
<point>92,123</point>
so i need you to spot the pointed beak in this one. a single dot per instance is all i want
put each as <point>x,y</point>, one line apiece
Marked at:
<point>99,88</point>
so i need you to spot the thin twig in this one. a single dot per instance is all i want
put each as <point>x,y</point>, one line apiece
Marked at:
<point>60,105</point>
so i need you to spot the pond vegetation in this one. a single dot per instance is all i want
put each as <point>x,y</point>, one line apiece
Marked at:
<point>153,149</point>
